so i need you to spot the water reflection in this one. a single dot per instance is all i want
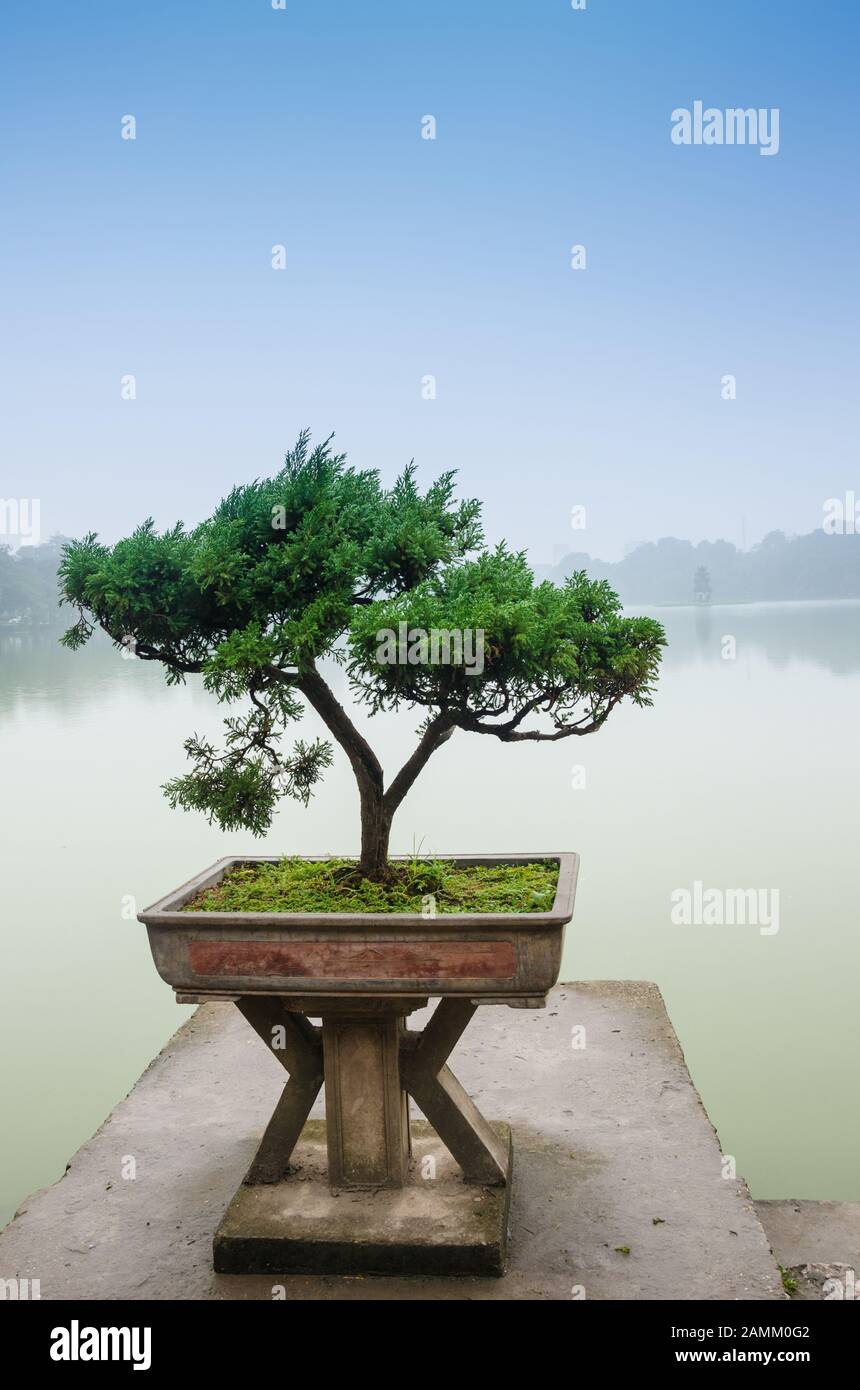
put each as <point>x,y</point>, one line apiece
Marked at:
<point>818,634</point>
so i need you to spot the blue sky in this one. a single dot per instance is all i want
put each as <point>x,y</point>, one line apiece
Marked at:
<point>407,257</point>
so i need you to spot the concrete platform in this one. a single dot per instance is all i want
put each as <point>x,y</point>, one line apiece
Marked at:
<point>812,1232</point>
<point>617,1192</point>
<point>818,1243</point>
<point>436,1224</point>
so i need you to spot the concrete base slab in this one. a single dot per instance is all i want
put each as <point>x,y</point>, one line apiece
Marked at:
<point>620,1189</point>
<point>435,1224</point>
<point>818,1245</point>
<point>806,1232</point>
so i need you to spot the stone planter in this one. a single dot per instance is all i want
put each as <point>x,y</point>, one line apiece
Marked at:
<point>512,956</point>
<point>362,974</point>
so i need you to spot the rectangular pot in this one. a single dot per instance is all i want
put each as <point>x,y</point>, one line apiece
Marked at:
<point>509,956</point>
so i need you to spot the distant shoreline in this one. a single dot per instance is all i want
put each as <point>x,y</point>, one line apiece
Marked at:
<point>745,603</point>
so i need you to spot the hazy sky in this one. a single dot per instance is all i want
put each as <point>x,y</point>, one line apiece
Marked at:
<point>408,257</point>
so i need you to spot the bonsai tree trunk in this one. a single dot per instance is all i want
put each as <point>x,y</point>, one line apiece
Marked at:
<point>377,805</point>
<point>376,814</point>
<point>375,830</point>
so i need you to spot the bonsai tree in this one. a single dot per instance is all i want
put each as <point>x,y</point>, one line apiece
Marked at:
<point>321,562</point>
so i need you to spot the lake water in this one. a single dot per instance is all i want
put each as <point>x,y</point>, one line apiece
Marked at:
<point>744,775</point>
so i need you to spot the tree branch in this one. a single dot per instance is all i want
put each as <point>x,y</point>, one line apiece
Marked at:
<point>509,733</point>
<point>436,733</point>
<point>310,683</point>
<point>148,653</point>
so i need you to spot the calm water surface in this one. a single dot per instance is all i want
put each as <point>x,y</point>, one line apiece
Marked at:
<point>743,775</point>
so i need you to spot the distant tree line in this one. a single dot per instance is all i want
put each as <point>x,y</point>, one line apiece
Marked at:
<point>29,588</point>
<point>817,566</point>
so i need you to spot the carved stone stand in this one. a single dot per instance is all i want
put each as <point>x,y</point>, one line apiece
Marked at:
<point>366,1192</point>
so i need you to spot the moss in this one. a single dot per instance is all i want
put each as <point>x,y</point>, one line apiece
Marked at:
<point>789,1283</point>
<point>333,885</point>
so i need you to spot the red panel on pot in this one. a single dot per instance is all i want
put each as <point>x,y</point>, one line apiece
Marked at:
<point>356,960</point>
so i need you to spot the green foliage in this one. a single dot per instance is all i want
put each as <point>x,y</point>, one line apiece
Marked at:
<point>300,885</point>
<point>566,653</point>
<point>789,1283</point>
<point>241,787</point>
<point>310,564</point>
<point>275,573</point>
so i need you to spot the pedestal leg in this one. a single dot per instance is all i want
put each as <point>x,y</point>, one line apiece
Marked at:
<point>367,1109</point>
<point>296,1044</point>
<point>482,1155</point>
